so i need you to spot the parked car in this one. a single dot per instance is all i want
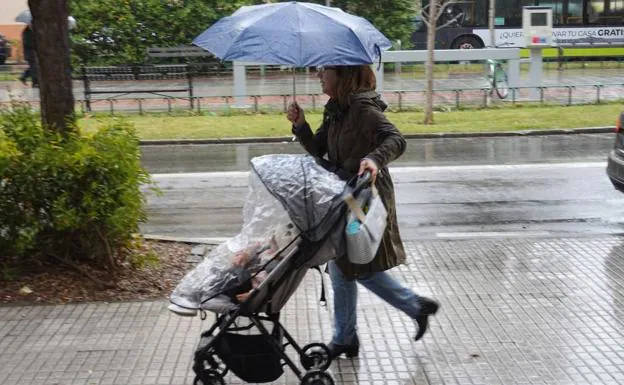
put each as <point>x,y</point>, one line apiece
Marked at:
<point>5,49</point>
<point>615,164</point>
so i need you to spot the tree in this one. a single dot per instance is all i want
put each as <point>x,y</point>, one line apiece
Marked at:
<point>394,18</point>
<point>431,14</point>
<point>111,32</point>
<point>50,27</point>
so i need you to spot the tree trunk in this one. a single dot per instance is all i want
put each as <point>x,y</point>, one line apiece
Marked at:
<point>51,35</point>
<point>491,22</point>
<point>431,30</point>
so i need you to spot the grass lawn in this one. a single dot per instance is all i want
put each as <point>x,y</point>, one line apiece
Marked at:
<point>152,127</point>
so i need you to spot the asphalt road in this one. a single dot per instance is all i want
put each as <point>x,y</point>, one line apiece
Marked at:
<point>482,187</point>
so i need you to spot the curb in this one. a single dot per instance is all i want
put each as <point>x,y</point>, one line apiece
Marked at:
<point>190,240</point>
<point>286,139</point>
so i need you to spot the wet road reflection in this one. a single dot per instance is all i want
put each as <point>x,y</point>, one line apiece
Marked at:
<point>420,152</point>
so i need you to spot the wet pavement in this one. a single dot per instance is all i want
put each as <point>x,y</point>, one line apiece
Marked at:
<point>518,238</point>
<point>514,311</point>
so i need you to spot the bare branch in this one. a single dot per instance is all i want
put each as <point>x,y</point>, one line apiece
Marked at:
<point>442,6</point>
<point>452,21</point>
<point>424,12</point>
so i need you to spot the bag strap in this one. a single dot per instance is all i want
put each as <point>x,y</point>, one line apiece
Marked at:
<point>355,208</point>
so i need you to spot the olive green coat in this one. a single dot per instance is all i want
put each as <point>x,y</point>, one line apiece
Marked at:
<point>347,135</point>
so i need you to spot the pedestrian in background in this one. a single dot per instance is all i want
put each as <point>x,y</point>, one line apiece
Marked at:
<point>30,55</point>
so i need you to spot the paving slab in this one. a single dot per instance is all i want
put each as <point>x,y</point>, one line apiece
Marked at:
<point>514,311</point>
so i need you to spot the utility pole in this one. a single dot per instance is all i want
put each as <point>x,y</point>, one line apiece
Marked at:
<point>328,3</point>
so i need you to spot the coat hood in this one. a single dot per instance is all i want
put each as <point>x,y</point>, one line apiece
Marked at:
<point>334,109</point>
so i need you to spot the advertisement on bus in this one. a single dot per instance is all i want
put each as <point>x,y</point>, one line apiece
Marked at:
<point>595,36</point>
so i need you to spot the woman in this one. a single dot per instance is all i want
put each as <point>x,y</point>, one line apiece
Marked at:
<point>357,137</point>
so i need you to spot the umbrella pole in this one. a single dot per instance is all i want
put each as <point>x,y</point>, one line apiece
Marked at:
<point>294,85</point>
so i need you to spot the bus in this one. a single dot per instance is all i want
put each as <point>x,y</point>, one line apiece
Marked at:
<point>576,23</point>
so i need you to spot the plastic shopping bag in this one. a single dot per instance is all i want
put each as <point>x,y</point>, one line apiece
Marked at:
<point>366,223</point>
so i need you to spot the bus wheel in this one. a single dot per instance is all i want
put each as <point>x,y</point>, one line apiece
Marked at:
<point>467,42</point>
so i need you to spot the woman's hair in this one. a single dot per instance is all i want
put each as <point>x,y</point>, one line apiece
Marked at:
<point>352,79</point>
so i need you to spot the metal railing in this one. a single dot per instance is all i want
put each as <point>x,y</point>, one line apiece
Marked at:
<point>398,100</point>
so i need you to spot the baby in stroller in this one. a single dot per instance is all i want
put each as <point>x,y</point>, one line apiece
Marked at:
<point>248,267</point>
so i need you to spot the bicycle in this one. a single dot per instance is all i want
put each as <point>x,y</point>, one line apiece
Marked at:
<point>497,78</point>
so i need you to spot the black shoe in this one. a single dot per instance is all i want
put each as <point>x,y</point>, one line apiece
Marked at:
<point>23,80</point>
<point>352,350</point>
<point>427,307</point>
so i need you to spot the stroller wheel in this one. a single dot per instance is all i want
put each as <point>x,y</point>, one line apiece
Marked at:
<point>210,366</point>
<point>316,377</point>
<point>208,377</point>
<point>316,356</point>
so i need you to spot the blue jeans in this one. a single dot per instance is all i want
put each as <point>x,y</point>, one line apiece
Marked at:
<point>345,300</point>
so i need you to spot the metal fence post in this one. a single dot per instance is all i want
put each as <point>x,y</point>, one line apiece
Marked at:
<point>569,94</point>
<point>598,87</point>
<point>457,93</point>
<point>255,98</point>
<point>87,88</point>
<point>189,74</point>
<point>140,106</point>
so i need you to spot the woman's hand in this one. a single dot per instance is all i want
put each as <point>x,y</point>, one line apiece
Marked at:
<point>368,165</point>
<point>295,114</point>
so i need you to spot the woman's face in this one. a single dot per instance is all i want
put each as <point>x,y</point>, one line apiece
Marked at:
<point>329,81</point>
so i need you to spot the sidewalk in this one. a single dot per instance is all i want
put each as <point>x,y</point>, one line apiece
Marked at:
<point>514,311</point>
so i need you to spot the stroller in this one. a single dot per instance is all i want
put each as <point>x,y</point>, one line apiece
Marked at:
<point>297,202</point>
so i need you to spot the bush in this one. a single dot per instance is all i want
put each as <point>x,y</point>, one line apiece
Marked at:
<point>72,198</point>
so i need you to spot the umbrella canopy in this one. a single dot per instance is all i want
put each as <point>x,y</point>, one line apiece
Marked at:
<point>296,34</point>
<point>26,17</point>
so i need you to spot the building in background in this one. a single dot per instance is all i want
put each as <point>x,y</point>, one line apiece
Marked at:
<point>9,9</point>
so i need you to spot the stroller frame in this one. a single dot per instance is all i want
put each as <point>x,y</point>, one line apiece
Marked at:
<point>210,364</point>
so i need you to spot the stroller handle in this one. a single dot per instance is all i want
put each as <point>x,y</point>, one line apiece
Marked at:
<point>363,181</point>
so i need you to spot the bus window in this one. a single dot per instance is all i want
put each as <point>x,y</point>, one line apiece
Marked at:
<point>594,9</point>
<point>573,14</point>
<point>465,14</point>
<point>419,24</point>
<point>509,12</point>
<point>612,12</point>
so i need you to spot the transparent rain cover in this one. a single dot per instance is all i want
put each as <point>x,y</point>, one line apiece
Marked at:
<point>288,195</point>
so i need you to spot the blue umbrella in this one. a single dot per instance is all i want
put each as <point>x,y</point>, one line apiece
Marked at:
<point>296,34</point>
